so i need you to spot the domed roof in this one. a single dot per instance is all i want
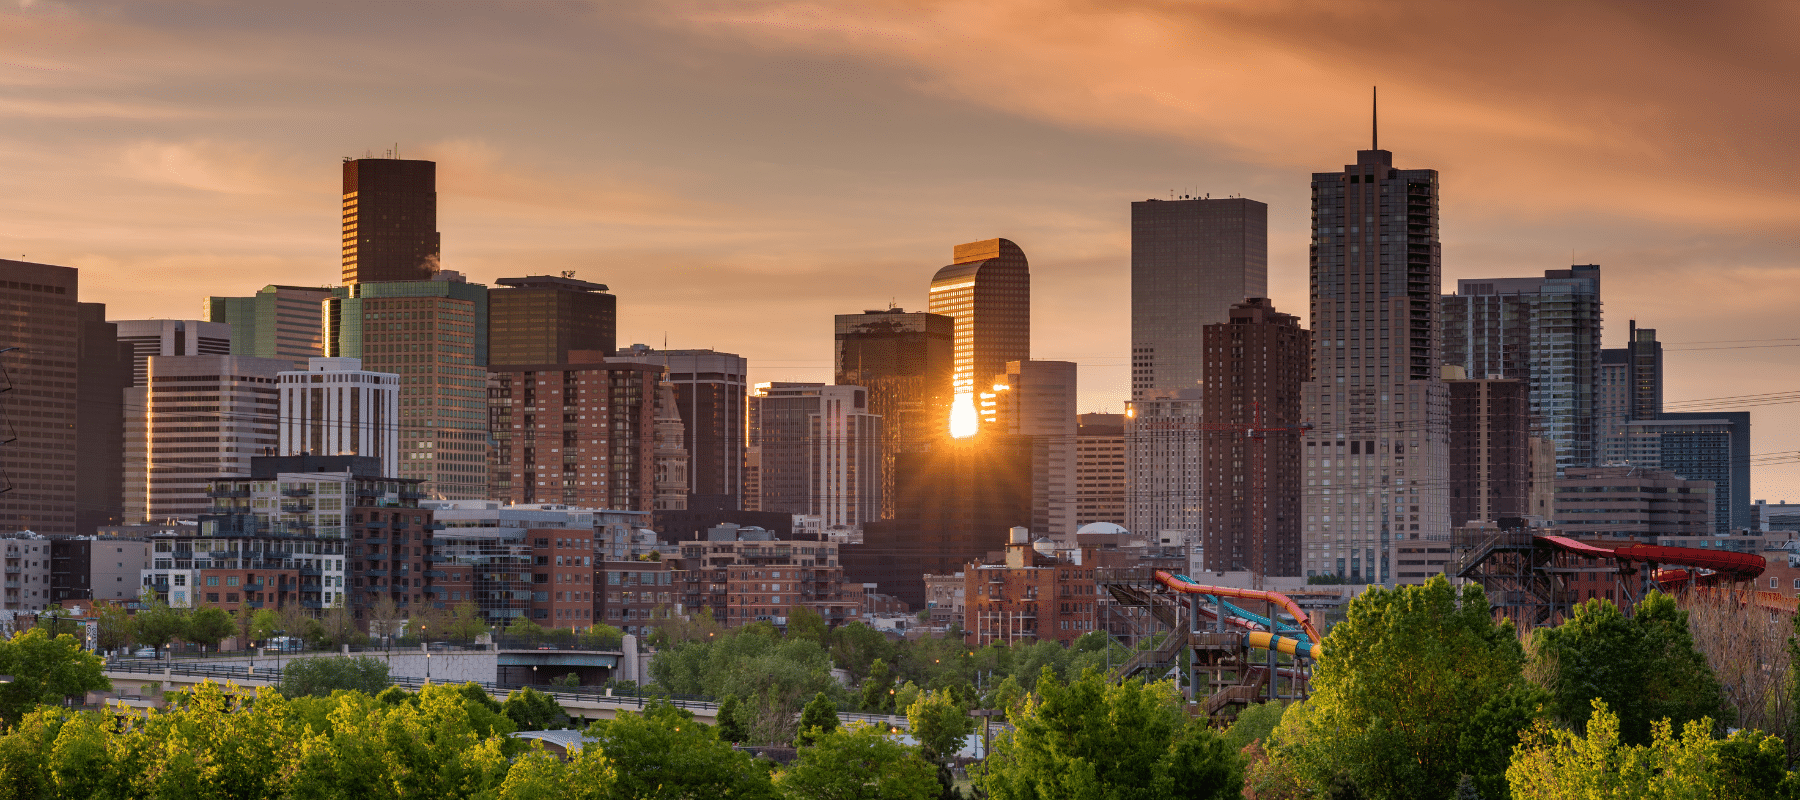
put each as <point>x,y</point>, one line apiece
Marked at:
<point>1102,527</point>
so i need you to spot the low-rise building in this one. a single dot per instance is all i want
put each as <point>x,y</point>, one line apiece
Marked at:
<point>1037,593</point>
<point>27,572</point>
<point>944,598</point>
<point>745,575</point>
<point>94,568</point>
<point>1632,502</point>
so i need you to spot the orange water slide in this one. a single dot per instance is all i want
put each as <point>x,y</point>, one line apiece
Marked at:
<point>1186,585</point>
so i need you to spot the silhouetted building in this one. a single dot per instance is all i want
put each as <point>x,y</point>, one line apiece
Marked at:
<point>986,290</point>
<point>581,432</point>
<point>1037,399</point>
<point>1376,278</point>
<point>710,393</point>
<point>390,220</point>
<point>276,322</point>
<point>1256,363</point>
<point>904,360</point>
<point>104,368</point>
<point>541,318</point>
<point>1191,261</point>
<point>44,324</point>
<point>1490,450</point>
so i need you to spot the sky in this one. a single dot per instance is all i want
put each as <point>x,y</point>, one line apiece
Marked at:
<point>738,172</point>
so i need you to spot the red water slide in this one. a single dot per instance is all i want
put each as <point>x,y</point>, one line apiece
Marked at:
<point>1720,564</point>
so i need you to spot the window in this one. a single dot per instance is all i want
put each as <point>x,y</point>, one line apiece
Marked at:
<point>212,580</point>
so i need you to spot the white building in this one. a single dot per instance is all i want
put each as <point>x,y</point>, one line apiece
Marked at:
<point>147,338</point>
<point>335,407</point>
<point>207,416</point>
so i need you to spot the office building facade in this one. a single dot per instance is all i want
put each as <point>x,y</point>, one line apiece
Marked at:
<point>1630,388</point>
<point>820,452</point>
<point>1376,277</point>
<point>140,340</point>
<point>1490,450</point>
<point>904,360</point>
<point>1706,446</point>
<point>390,220</point>
<point>1163,447</point>
<point>581,433</point>
<point>1100,478</point>
<point>1632,503</point>
<point>1545,331</point>
<point>433,334</point>
<point>1036,399</point>
<point>103,370</point>
<point>1191,261</point>
<point>1251,405</point>
<point>43,325</point>
<point>276,322</point>
<point>208,416</point>
<point>336,408</point>
<point>986,291</point>
<point>540,319</point>
<point>710,391</point>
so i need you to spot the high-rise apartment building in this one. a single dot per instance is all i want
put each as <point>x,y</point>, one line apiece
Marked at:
<point>582,432</point>
<point>1163,469</point>
<point>207,417</point>
<point>433,334</point>
<point>1490,450</point>
<point>390,220</point>
<point>1191,260</point>
<point>1544,331</point>
<point>1256,363</point>
<point>986,291</point>
<point>541,318</point>
<point>336,408</point>
<point>1036,399</point>
<point>710,390</point>
<point>139,340</point>
<point>820,452</point>
<point>1376,273</point>
<point>42,328</point>
<point>1630,388</point>
<point>1099,469</point>
<point>276,322</point>
<point>904,360</point>
<point>1700,446</point>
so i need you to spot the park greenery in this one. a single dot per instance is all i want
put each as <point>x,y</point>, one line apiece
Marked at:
<point>1420,692</point>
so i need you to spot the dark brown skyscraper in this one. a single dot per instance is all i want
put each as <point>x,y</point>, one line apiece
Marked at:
<point>104,372</point>
<point>1255,367</point>
<point>390,220</point>
<point>540,319</point>
<point>43,324</point>
<point>904,360</point>
<point>987,291</point>
<point>1490,449</point>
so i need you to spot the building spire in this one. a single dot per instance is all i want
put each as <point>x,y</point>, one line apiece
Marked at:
<point>1374,118</point>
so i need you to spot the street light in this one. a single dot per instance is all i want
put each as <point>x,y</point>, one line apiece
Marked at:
<point>423,642</point>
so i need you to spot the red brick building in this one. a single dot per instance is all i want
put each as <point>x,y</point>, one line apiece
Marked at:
<point>745,574</point>
<point>1032,595</point>
<point>563,594</point>
<point>581,433</point>
<point>634,592</point>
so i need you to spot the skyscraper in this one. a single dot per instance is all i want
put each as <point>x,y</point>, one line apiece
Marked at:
<point>1036,400</point>
<point>904,361</point>
<point>986,291</point>
<point>1163,468</point>
<point>539,319</point>
<point>1490,450</point>
<point>1191,260</point>
<point>207,417</point>
<point>276,322</point>
<point>433,334</point>
<point>1629,388</point>
<point>1099,469</point>
<point>1256,363</point>
<point>142,339</point>
<point>390,220</point>
<point>710,391</point>
<point>336,408</point>
<point>103,373</point>
<point>1544,331</point>
<point>581,432</point>
<point>1700,446</point>
<point>43,329</point>
<point>820,452</point>
<point>1376,272</point>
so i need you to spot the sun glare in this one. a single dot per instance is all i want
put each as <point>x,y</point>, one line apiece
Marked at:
<point>963,420</point>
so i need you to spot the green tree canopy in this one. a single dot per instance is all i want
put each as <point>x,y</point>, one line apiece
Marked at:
<point>532,710</point>
<point>1554,762</point>
<point>116,627</point>
<point>45,670</point>
<point>1645,667</point>
<point>818,718</point>
<point>860,763</point>
<point>157,623</point>
<point>208,626</point>
<point>1416,686</point>
<point>322,675</point>
<point>1094,738</point>
<point>805,623</point>
<point>663,754</point>
<point>878,689</point>
<point>263,624</point>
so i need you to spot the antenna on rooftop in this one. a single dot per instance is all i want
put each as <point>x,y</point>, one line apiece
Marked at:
<point>1374,118</point>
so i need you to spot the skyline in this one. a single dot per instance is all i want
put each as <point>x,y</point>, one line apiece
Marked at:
<point>720,154</point>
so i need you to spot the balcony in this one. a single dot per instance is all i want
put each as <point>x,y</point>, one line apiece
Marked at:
<point>296,508</point>
<point>296,492</point>
<point>221,493</point>
<point>434,526</point>
<point>408,494</point>
<point>310,571</point>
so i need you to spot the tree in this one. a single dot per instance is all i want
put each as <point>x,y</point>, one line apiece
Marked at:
<point>805,623</point>
<point>263,624</point>
<point>157,623</point>
<point>1645,667</point>
<point>860,763</point>
<point>338,626</point>
<point>1095,738</point>
<point>663,754</point>
<point>941,724</point>
<point>319,677</point>
<point>532,710</point>
<point>116,627</point>
<point>1748,654</point>
<point>293,619</point>
<point>730,727</point>
<point>1554,762</point>
<point>602,637</point>
<point>207,626</point>
<point>878,689</point>
<point>466,622</point>
<point>1417,686</point>
<point>1254,724</point>
<point>856,647</point>
<point>818,718</point>
<point>526,630</point>
<point>385,617</point>
<point>45,670</point>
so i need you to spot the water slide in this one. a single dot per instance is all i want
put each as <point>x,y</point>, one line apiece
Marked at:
<point>1277,625</point>
<point>1259,639</point>
<point>1719,565</point>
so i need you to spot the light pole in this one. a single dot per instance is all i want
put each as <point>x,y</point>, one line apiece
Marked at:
<point>425,643</point>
